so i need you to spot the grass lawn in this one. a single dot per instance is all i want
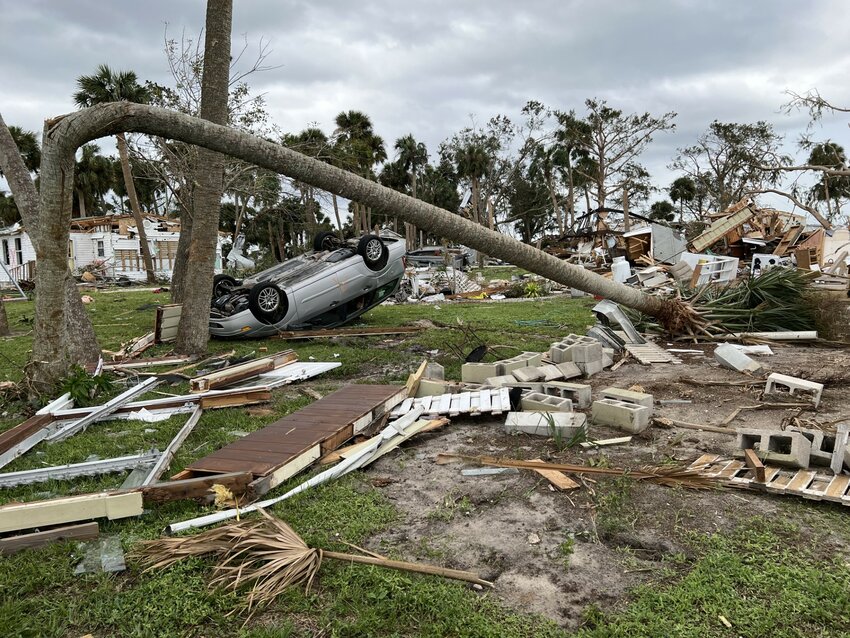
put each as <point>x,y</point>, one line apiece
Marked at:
<point>766,577</point>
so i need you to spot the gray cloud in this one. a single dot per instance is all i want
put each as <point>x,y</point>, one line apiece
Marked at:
<point>427,67</point>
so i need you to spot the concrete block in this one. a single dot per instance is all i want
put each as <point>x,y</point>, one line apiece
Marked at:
<point>546,402</point>
<point>628,396</point>
<point>532,359</point>
<point>560,352</point>
<point>625,416</point>
<point>478,372</point>
<point>586,352</point>
<point>527,374</point>
<point>525,387</point>
<point>776,447</point>
<point>434,388</point>
<point>563,424</point>
<point>783,384</point>
<point>569,370</point>
<point>550,373</point>
<point>841,449</point>
<point>509,365</point>
<point>578,393</point>
<point>730,357</point>
<point>823,446</point>
<point>434,370</point>
<point>607,357</point>
<point>498,382</point>
<point>589,368</point>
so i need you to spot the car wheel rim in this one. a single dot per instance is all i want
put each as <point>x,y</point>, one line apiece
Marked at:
<point>373,250</point>
<point>268,299</point>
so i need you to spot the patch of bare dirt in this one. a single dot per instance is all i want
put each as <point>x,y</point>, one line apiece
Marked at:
<point>553,552</point>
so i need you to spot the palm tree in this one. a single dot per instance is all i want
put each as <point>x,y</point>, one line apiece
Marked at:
<point>359,151</point>
<point>829,189</point>
<point>571,136</point>
<point>412,156</point>
<point>473,163</point>
<point>683,189</point>
<point>28,145</point>
<point>92,180</point>
<point>107,85</point>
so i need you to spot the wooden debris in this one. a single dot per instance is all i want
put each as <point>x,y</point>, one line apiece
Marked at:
<point>70,509</point>
<point>195,488</point>
<point>558,480</point>
<point>413,380</point>
<point>605,442</point>
<point>669,423</point>
<point>166,322</point>
<point>81,532</point>
<point>236,399</point>
<point>233,374</point>
<point>132,364</point>
<point>167,455</point>
<point>649,353</point>
<point>755,464</point>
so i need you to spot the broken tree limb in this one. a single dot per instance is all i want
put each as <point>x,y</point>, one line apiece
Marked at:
<point>669,423</point>
<point>670,476</point>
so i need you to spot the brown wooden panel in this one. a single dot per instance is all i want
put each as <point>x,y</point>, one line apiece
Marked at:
<point>328,421</point>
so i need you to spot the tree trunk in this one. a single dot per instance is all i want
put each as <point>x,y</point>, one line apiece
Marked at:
<point>193,331</point>
<point>144,247</point>
<point>571,197</point>
<point>237,225</point>
<point>559,214</point>
<point>181,260</point>
<point>336,214</point>
<point>4,320</point>
<point>71,131</point>
<point>81,202</point>
<point>627,221</point>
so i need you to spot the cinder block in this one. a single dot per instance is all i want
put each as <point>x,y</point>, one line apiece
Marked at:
<point>526,387</point>
<point>788,448</point>
<point>586,352</point>
<point>498,382</point>
<point>527,374</point>
<point>434,370</point>
<point>478,372</point>
<point>625,416</point>
<point>564,424</point>
<point>560,352</point>
<point>628,396</point>
<point>823,446</point>
<point>578,393</point>
<point>434,388</point>
<point>550,373</point>
<point>569,370</point>
<point>607,357</point>
<point>532,359</point>
<point>509,365</point>
<point>730,357</point>
<point>546,402</point>
<point>589,368</point>
<point>807,390</point>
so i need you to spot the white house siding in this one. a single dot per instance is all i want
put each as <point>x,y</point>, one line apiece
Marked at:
<point>15,249</point>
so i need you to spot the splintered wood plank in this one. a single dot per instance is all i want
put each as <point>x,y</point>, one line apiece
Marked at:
<point>800,481</point>
<point>454,407</point>
<point>198,487</point>
<point>15,544</point>
<point>754,463</point>
<point>464,402</point>
<point>704,461</point>
<point>484,401</point>
<point>557,479</point>
<point>837,487</point>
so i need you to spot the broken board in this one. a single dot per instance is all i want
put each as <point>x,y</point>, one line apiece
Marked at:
<point>649,353</point>
<point>493,401</point>
<point>815,486</point>
<point>286,447</point>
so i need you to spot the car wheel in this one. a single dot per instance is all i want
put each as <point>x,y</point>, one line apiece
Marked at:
<point>268,303</point>
<point>325,241</point>
<point>223,285</point>
<point>375,254</point>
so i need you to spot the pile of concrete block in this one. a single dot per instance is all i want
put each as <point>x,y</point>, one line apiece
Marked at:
<point>565,425</point>
<point>783,385</point>
<point>624,409</point>
<point>480,372</point>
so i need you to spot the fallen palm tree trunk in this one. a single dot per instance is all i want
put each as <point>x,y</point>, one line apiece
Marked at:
<point>266,556</point>
<point>669,476</point>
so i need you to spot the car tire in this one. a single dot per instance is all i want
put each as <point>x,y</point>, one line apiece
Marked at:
<point>222,285</point>
<point>374,252</point>
<point>325,241</point>
<point>268,303</point>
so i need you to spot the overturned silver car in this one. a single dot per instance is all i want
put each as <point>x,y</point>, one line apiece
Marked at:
<point>329,286</point>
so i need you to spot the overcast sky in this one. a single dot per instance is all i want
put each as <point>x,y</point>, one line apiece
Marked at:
<point>427,67</point>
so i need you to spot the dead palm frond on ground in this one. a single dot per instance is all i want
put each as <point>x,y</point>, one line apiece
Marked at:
<point>265,556</point>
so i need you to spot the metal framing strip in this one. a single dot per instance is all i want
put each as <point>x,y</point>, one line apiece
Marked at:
<point>107,408</point>
<point>168,453</point>
<point>74,470</point>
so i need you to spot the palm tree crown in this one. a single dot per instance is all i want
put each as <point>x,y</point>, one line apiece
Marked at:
<point>107,85</point>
